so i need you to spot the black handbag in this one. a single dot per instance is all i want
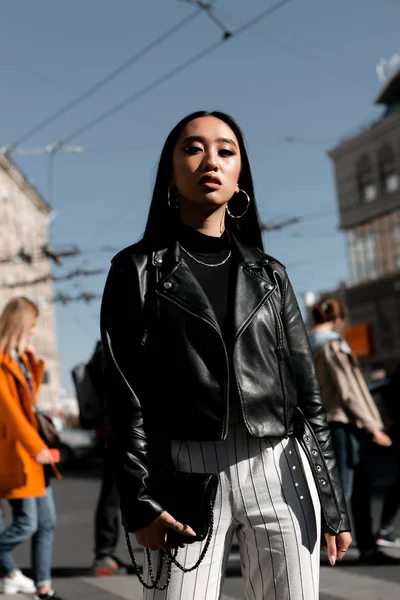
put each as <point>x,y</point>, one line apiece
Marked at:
<point>190,499</point>
<point>47,429</point>
<point>45,425</point>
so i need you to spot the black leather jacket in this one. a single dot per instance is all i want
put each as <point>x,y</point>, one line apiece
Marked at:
<point>162,382</point>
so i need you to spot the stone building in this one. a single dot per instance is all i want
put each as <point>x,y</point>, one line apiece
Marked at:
<point>367,173</point>
<point>25,268</point>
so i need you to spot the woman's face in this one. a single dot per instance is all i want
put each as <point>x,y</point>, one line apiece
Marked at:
<point>206,164</point>
<point>29,330</point>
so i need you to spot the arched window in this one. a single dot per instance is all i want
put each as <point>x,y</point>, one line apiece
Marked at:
<point>365,180</point>
<point>388,175</point>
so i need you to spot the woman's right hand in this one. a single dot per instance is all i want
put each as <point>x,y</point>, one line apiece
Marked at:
<point>154,536</point>
<point>380,438</point>
<point>44,457</point>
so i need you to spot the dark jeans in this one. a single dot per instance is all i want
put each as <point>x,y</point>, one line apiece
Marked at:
<point>362,497</point>
<point>107,513</point>
<point>346,446</point>
<point>391,504</point>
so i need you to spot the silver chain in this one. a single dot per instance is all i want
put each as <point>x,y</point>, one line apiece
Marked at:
<point>166,558</point>
<point>207,264</point>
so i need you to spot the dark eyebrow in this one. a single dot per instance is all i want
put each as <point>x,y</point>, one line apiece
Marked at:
<point>199,138</point>
<point>226,140</point>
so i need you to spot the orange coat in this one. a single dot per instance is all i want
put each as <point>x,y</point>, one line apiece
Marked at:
<point>20,475</point>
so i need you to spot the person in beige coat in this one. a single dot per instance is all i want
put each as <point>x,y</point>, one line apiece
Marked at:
<point>352,414</point>
<point>349,405</point>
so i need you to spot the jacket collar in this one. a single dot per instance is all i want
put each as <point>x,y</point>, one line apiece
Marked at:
<point>179,285</point>
<point>251,257</point>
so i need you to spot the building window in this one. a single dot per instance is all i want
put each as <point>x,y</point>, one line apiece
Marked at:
<point>396,233</point>
<point>46,378</point>
<point>363,255</point>
<point>371,256</point>
<point>355,256</point>
<point>367,189</point>
<point>388,176</point>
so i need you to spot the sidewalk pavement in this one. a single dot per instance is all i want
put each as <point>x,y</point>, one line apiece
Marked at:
<point>343,582</point>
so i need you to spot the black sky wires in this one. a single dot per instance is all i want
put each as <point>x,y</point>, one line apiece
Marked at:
<point>173,72</point>
<point>105,80</point>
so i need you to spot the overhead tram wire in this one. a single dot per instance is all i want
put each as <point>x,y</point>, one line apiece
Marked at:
<point>173,72</point>
<point>303,53</point>
<point>208,10</point>
<point>105,80</point>
<point>312,58</point>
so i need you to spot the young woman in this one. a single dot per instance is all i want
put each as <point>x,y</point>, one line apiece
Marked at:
<point>23,454</point>
<point>207,360</point>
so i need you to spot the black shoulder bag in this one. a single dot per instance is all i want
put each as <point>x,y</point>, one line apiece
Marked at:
<point>190,499</point>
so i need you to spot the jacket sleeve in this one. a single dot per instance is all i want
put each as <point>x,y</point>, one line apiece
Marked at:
<point>121,328</point>
<point>309,394</point>
<point>22,430</point>
<point>355,402</point>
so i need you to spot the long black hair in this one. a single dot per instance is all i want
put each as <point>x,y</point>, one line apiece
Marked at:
<point>161,224</point>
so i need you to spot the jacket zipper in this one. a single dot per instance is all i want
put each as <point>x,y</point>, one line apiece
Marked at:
<point>237,335</point>
<point>281,362</point>
<point>144,338</point>
<point>216,328</point>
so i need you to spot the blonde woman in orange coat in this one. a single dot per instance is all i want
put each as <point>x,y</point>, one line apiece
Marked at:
<point>23,454</point>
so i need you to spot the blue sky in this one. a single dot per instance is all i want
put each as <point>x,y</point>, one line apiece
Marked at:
<point>308,71</point>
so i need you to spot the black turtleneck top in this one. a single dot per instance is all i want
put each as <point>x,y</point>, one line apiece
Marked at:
<point>215,281</point>
<point>218,283</point>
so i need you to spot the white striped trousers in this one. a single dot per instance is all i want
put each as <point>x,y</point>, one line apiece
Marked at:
<point>267,496</point>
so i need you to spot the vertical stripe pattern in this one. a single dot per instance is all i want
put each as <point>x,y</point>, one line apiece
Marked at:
<point>267,497</point>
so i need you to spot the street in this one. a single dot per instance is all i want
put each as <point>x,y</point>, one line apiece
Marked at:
<point>75,499</point>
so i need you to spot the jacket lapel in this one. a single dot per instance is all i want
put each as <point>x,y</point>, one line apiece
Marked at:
<point>179,285</point>
<point>14,369</point>
<point>252,290</point>
<point>253,287</point>
<point>26,398</point>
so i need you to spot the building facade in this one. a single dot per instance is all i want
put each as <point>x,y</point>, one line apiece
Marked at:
<point>25,269</point>
<point>367,174</point>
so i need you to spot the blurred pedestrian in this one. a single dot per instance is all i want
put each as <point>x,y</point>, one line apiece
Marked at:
<point>349,405</point>
<point>107,516</point>
<point>387,534</point>
<point>23,454</point>
<point>207,365</point>
<point>353,417</point>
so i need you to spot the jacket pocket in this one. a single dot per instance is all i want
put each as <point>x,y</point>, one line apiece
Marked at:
<point>12,471</point>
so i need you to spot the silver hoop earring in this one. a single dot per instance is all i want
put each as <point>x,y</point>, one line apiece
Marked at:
<point>245,210</point>
<point>169,199</point>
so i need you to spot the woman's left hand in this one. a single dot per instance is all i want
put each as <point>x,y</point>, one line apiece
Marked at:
<point>336,545</point>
